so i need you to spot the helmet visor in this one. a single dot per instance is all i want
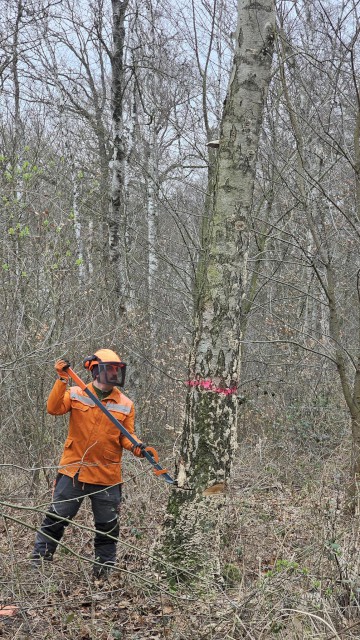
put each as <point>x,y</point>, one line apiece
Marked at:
<point>112,373</point>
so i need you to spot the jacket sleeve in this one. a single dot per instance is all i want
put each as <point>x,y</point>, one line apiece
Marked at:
<point>129,425</point>
<point>59,399</point>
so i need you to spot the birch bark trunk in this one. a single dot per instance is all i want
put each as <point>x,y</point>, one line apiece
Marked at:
<point>117,210</point>
<point>193,525</point>
<point>78,226</point>
<point>152,223</point>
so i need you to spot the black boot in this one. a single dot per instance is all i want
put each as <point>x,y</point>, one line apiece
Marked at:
<point>102,571</point>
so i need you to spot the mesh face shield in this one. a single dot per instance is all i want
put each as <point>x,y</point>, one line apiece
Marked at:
<point>112,373</point>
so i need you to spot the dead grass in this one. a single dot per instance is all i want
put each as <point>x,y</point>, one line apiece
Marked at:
<point>290,560</point>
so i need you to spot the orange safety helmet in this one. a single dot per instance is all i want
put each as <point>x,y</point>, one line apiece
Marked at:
<point>104,361</point>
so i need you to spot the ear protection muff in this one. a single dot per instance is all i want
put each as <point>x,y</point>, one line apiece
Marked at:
<point>90,360</point>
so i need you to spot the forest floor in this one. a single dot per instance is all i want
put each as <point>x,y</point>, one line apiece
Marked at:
<point>290,560</point>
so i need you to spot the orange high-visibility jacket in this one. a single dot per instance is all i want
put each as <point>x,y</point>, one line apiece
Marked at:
<point>94,445</point>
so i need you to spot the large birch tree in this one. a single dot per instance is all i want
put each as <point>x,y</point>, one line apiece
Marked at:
<point>194,516</point>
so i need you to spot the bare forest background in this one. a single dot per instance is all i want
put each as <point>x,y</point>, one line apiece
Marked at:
<point>289,555</point>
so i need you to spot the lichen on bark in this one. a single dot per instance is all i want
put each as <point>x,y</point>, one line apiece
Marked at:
<point>191,539</point>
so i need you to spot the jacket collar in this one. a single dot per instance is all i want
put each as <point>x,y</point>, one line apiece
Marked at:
<point>114,395</point>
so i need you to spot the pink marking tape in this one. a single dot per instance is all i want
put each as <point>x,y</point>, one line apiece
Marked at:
<point>209,385</point>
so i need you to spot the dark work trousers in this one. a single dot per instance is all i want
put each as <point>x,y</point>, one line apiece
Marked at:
<point>67,498</point>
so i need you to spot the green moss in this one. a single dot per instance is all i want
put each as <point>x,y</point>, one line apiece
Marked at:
<point>231,574</point>
<point>214,275</point>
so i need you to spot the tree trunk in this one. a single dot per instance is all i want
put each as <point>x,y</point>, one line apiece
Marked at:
<point>152,197</point>
<point>194,518</point>
<point>78,225</point>
<point>117,230</point>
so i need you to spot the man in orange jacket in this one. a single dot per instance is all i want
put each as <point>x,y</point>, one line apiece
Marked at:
<point>91,460</point>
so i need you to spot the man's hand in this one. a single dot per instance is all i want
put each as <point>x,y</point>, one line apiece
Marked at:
<point>138,450</point>
<point>59,368</point>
